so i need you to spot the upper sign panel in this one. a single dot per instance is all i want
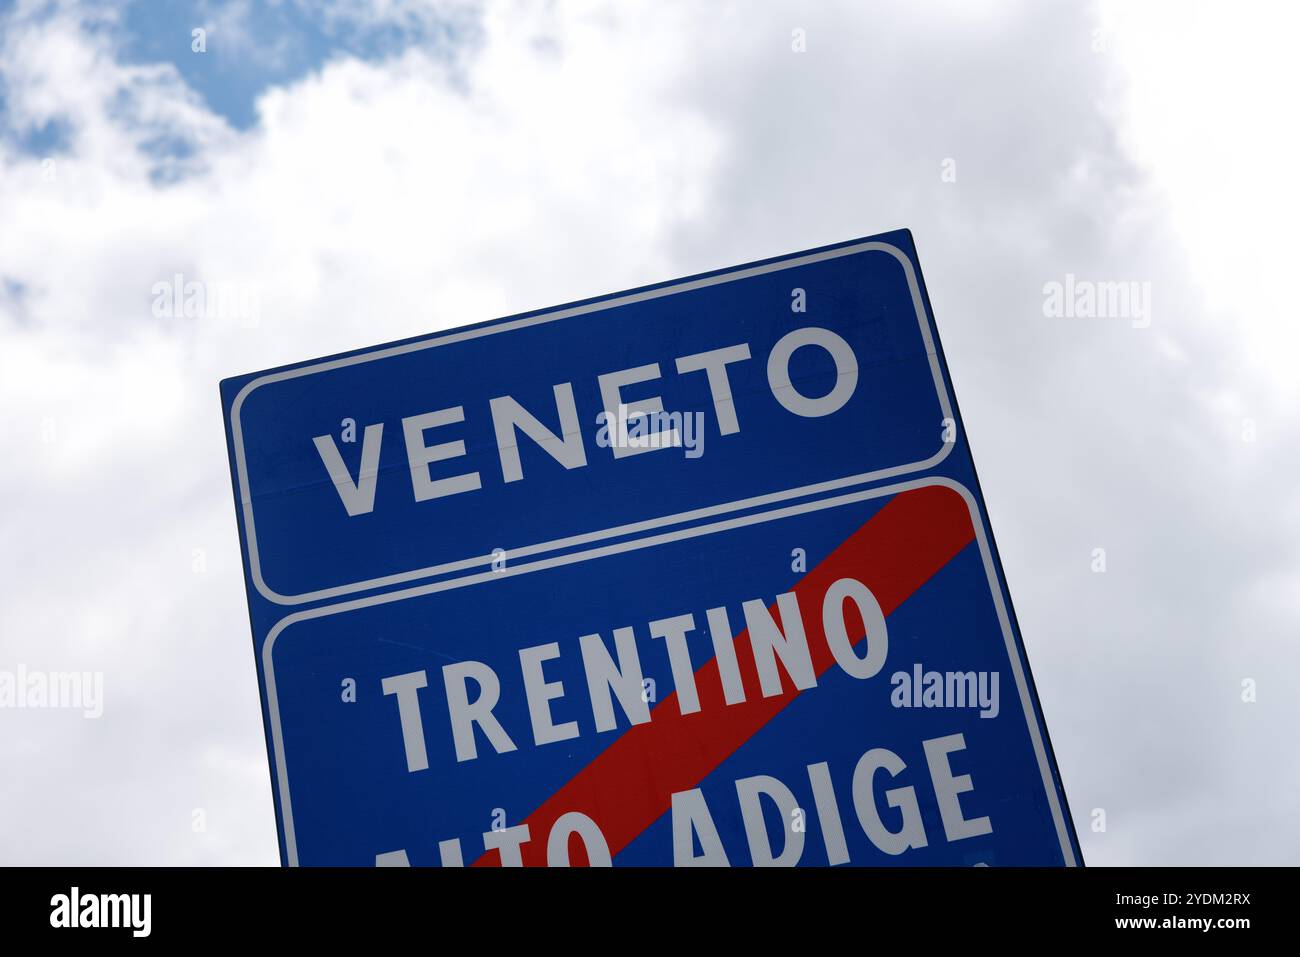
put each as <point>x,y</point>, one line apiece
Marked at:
<point>636,411</point>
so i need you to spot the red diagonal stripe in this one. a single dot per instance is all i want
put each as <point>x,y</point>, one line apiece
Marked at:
<point>630,784</point>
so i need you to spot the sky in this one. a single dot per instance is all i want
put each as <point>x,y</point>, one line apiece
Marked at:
<point>383,169</point>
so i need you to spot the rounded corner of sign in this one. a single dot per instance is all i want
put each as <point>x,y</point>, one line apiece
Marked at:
<point>237,402</point>
<point>277,630</point>
<point>901,255</point>
<point>237,407</point>
<point>269,593</point>
<point>940,456</point>
<point>967,496</point>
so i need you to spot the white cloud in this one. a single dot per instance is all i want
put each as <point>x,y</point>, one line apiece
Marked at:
<point>572,151</point>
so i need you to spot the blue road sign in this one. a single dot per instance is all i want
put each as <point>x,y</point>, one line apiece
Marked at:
<point>693,574</point>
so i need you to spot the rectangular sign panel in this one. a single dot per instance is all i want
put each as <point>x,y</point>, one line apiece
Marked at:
<point>692,574</point>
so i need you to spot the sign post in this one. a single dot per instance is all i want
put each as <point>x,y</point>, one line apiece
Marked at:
<point>694,574</point>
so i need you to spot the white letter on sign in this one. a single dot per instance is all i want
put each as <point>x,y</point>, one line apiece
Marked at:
<point>611,384</point>
<point>769,643</point>
<point>714,363</point>
<point>837,634</point>
<point>778,372</point>
<point>407,688</point>
<point>691,817</point>
<point>465,715</point>
<point>541,692</point>
<point>624,679</point>
<point>751,791</point>
<point>419,455</point>
<point>566,448</point>
<point>358,497</point>
<point>566,825</point>
<point>674,631</point>
<point>508,840</point>
<point>947,787</point>
<point>912,833</point>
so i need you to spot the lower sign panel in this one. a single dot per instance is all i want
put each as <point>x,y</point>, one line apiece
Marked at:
<point>833,682</point>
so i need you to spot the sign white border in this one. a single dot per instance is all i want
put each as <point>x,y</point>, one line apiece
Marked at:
<point>245,496</point>
<point>1013,653</point>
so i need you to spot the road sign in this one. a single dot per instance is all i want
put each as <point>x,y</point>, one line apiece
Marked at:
<point>697,573</point>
